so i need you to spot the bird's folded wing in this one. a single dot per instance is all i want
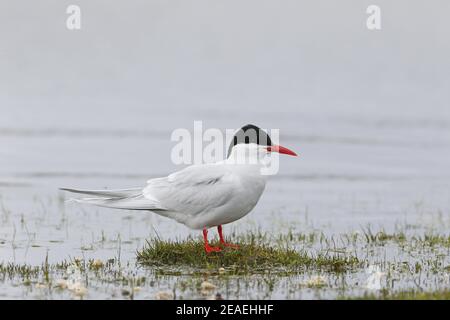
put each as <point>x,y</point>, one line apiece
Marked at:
<point>193,190</point>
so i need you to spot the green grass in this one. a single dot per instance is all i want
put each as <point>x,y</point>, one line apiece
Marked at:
<point>44,270</point>
<point>11,269</point>
<point>409,295</point>
<point>251,257</point>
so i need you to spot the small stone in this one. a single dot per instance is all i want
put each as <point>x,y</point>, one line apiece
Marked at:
<point>61,284</point>
<point>206,286</point>
<point>40,286</point>
<point>164,295</point>
<point>97,264</point>
<point>78,289</point>
<point>221,270</point>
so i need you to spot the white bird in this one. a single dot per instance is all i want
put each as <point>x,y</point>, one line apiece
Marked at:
<point>203,196</point>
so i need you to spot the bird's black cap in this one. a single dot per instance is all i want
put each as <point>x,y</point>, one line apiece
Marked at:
<point>250,134</point>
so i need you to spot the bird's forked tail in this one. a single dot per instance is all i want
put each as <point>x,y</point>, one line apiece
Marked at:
<point>129,199</point>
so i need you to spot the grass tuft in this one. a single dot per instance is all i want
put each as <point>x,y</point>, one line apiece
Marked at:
<point>251,257</point>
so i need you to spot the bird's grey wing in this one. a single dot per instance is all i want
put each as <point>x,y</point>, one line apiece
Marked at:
<point>193,190</point>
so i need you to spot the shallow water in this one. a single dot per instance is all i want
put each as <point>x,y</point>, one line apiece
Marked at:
<point>377,174</point>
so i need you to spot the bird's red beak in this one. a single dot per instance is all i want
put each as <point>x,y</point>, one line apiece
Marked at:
<point>281,149</point>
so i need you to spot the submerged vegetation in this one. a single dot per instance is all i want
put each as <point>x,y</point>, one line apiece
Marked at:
<point>287,266</point>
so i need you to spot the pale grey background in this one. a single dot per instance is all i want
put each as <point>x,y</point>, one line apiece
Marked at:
<point>230,57</point>
<point>367,110</point>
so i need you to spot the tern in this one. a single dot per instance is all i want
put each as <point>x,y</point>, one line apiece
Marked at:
<point>206,195</point>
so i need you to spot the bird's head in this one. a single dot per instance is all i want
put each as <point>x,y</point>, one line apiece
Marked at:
<point>251,141</point>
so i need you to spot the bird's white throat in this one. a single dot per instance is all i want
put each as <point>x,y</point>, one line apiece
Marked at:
<point>254,155</point>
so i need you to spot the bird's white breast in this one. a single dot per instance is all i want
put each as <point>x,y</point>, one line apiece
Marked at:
<point>248,185</point>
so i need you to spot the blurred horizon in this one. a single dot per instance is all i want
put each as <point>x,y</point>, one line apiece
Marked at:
<point>372,101</point>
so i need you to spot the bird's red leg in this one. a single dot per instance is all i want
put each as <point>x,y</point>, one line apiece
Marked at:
<point>208,248</point>
<point>222,240</point>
